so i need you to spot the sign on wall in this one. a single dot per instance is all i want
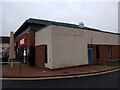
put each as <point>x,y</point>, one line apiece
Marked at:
<point>22,41</point>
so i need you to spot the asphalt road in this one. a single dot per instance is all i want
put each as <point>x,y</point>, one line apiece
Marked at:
<point>110,80</point>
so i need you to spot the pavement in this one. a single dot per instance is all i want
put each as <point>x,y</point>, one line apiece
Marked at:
<point>93,76</point>
<point>24,70</point>
<point>104,81</point>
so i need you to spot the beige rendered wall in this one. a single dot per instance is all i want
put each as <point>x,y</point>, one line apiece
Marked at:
<point>69,45</point>
<point>101,38</point>
<point>44,37</point>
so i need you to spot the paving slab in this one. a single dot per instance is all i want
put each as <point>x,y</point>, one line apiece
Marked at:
<point>25,70</point>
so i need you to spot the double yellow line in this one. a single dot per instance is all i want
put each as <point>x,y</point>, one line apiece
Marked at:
<point>60,77</point>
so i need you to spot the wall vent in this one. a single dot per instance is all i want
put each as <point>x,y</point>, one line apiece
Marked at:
<point>81,24</point>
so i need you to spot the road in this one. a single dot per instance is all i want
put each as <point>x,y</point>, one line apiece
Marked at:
<point>110,80</point>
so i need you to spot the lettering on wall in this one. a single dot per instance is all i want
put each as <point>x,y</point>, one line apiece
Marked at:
<point>22,41</point>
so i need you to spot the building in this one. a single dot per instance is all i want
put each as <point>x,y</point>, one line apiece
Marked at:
<point>49,44</point>
<point>4,44</point>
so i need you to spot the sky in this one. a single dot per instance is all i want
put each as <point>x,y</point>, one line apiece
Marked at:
<point>95,14</point>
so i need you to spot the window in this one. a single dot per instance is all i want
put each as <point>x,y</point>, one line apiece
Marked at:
<point>110,51</point>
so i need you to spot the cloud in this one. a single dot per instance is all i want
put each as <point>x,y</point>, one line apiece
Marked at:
<point>1,19</point>
<point>94,14</point>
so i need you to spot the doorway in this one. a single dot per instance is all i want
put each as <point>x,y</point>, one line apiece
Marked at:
<point>41,57</point>
<point>22,55</point>
<point>90,55</point>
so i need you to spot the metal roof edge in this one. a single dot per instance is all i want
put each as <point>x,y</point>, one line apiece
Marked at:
<point>47,22</point>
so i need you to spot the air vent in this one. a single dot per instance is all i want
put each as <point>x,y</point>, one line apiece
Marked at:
<point>81,24</point>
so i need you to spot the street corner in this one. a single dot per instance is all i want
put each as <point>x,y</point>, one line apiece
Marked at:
<point>60,74</point>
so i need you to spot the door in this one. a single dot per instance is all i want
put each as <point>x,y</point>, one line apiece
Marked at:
<point>46,61</point>
<point>90,55</point>
<point>31,55</point>
<point>41,56</point>
<point>20,54</point>
<point>25,55</point>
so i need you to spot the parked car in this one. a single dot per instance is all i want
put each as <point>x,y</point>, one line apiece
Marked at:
<point>4,57</point>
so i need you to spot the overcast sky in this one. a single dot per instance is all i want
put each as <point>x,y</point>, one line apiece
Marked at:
<point>99,15</point>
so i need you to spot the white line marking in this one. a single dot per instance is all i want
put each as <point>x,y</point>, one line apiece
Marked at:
<point>59,77</point>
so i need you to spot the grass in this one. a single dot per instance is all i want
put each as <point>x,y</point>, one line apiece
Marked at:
<point>112,64</point>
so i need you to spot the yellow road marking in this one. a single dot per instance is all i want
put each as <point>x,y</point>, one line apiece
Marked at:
<point>60,77</point>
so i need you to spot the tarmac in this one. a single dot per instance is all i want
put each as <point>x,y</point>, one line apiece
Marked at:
<point>25,72</point>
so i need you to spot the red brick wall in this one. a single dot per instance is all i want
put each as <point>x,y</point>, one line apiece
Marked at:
<point>31,38</point>
<point>104,53</point>
<point>40,56</point>
<point>17,39</point>
<point>119,51</point>
<point>115,52</point>
<point>94,54</point>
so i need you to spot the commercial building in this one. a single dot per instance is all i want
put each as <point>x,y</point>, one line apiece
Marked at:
<point>49,44</point>
<point>4,44</point>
